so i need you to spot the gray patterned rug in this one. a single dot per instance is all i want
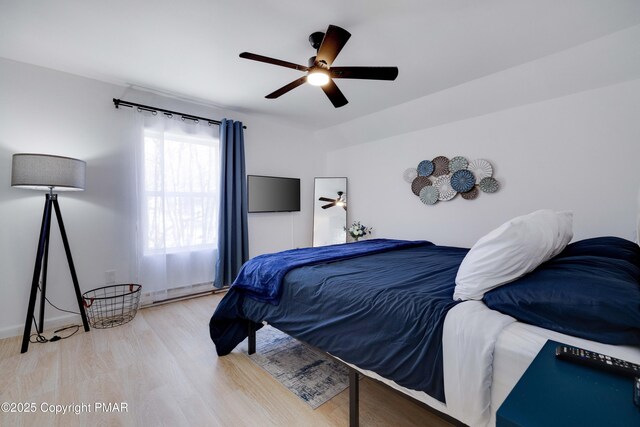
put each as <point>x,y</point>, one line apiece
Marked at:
<point>309,374</point>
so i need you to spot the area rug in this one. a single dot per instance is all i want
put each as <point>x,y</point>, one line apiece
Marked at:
<point>309,374</point>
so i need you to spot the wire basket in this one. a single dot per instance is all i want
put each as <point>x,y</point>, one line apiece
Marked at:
<point>112,306</point>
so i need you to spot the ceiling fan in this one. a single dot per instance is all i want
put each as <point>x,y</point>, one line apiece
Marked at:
<point>340,201</point>
<point>320,72</point>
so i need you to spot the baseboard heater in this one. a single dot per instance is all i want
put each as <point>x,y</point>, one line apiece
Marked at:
<point>164,296</point>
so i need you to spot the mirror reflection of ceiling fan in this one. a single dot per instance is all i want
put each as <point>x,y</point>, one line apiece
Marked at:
<point>341,200</point>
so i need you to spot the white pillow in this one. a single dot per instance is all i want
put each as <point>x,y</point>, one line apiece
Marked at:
<point>511,251</point>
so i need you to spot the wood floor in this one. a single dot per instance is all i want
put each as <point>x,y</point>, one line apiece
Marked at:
<point>164,367</point>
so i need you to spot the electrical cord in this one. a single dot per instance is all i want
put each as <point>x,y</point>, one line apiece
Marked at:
<point>41,339</point>
<point>56,307</point>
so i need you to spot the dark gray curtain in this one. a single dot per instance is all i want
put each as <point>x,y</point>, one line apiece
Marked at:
<point>233,241</point>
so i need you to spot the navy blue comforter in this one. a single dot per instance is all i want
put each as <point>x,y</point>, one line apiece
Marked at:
<point>261,277</point>
<point>382,312</point>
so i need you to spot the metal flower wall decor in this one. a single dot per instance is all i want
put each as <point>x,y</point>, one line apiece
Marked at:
<point>441,179</point>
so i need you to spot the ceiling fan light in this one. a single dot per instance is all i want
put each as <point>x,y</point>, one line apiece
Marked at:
<point>318,78</point>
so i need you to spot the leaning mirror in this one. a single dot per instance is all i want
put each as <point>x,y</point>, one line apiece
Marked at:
<point>329,211</point>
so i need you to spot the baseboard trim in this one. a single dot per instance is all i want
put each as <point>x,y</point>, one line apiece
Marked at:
<point>148,299</point>
<point>49,324</point>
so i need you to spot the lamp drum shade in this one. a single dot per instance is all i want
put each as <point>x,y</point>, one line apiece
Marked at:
<point>45,171</point>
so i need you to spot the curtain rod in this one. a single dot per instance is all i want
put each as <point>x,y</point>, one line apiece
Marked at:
<point>121,103</point>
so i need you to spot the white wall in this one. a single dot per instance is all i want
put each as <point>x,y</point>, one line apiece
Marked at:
<point>562,132</point>
<point>52,112</point>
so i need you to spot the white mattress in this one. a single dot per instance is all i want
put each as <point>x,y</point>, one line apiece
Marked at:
<point>478,374</point>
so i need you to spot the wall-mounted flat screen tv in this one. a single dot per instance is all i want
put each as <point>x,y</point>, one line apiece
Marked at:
<point>273,194</point>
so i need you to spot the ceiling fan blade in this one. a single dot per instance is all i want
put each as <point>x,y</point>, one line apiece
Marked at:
<point>335,94</point>
<point>344,206</point>
<point>334,40</point>
<point>286,88</point>
<point>260,58</point>
<point>324,199</point>
<point>370,73</point>
<point>330,205</point>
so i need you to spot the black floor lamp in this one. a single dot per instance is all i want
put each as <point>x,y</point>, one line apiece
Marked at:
<point>48,172</point>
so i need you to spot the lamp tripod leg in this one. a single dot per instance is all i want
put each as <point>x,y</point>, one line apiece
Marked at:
<point>45,262</point>
<point>74,277</point>
<point>46,221</point>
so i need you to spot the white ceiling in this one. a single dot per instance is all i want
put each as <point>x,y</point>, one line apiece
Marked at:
<point>190,48</point>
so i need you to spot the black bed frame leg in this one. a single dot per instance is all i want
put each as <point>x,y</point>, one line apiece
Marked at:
<point>252,337</point>
<point>354,411</point>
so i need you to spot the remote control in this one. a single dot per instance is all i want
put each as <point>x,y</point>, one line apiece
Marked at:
<point>597,360</point>
<point>636,391</point>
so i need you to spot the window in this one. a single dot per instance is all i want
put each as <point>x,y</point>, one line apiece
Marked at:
<point>179,211</point>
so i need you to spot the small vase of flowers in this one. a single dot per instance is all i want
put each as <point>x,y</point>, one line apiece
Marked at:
<point>358,231</point>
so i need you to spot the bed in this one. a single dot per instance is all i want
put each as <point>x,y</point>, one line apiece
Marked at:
<point>387,311</point>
